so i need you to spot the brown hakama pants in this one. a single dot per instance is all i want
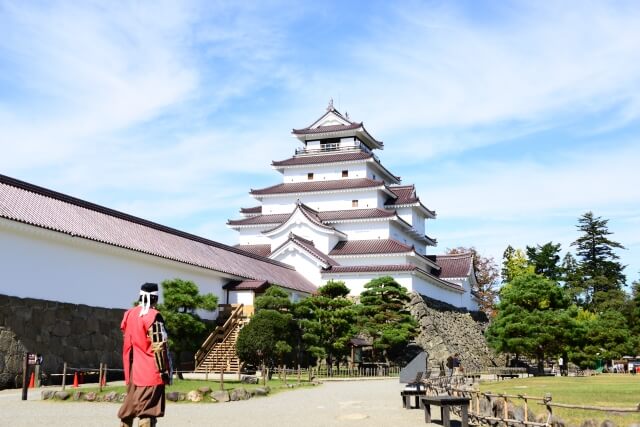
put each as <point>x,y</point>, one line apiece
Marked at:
<point>142,402</point>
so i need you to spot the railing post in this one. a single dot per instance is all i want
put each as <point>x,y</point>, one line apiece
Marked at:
<point>64,375</point>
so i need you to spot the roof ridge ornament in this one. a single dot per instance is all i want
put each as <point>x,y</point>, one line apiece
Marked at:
<point>330,106</point>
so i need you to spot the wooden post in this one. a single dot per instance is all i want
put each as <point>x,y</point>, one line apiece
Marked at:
<point>285,374</point>
<point>25,383</point>
<point>221,378</point>
<point>505,411</point>
<point>64,375</point>
<point>206,373</point>
<point>299,373</point>
<point>526,410</point>
<point>100,377</point>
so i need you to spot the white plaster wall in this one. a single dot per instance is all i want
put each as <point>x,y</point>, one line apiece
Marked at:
<point>373,260</point>
<point>253,236</point>
<point>37,263</point>
<point>356,282</point>
<point>305,264</point>
<point>241,297</point>
<point>322,241</point>
<point>325,173</point>
<point>364,230</point>
<point>367,198</point>
<point>424,287</point>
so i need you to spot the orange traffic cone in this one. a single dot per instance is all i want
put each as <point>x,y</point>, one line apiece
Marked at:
<point>75,380</point>
<point>32,381</point>
<point>103,382</point>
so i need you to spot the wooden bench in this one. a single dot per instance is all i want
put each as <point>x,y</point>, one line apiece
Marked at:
<point>406,398</point>
<point>446,403</point>
<point>507,375</point>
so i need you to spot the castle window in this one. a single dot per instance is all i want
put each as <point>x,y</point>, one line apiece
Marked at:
<point>345,174</point>
<point>310,176</point>
<point>354,203</point>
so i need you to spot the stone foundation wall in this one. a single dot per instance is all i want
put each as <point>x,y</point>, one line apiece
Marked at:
<point>445,330</point>
<point>80,335</point>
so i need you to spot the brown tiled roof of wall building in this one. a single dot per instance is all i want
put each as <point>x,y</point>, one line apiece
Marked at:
<point>40,207</point>
<point>314,186</point>
<point>375,246</point>
<point>455,265</point>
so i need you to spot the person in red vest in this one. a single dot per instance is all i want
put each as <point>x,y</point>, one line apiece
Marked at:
<point>145,360</point>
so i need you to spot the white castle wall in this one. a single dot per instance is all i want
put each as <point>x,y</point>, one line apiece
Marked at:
<point>38,263</point>
<point>367,198</point>
<point>325,173</point>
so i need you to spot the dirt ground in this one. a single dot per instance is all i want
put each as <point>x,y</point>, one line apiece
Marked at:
<point>343,403</point>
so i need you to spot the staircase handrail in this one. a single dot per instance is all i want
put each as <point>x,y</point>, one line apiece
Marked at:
<point>211,340</point>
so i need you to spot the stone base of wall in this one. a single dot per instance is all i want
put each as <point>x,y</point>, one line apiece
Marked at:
<point>445,330</point>
<point>80,335</point>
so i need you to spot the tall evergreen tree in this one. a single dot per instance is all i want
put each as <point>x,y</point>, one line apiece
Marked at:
<point>545,260</point>
<point>600,270</point>
<point>327,322</point>
<point>384,317</point>
<point>572,279</point>
<point>487,278</point>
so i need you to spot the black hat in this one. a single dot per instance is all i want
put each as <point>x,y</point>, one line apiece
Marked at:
<point>149,287</point>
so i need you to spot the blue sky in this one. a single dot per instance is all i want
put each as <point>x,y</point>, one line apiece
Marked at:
<point>512,118</point>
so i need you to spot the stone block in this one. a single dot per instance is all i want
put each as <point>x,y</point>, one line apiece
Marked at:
<point>62,395</point>
<point>194,396</point>
<point>220,396</point>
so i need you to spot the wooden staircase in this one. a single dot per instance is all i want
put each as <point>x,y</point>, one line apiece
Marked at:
<point>218,352</point>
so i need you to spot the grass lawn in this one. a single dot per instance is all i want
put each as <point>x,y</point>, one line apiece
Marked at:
<point>185,386</point>
<point>606,390</point>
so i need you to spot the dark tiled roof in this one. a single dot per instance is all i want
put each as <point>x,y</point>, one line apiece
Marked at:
<point>350,214</point>
<point>323,129</point>
<point>370,268</point>
<point>362,247</point>
<point>323,158</point>
<point>325,216</point>
<point>309,247</point>
<point>260,219</point>
<point>246,285</point>
<point>253,210</point>
<point>405,194</point>
<point>312,186</point>
<point>261,250</point>
<point>310,214</point>
<point>455,265</point>
<point>40,207</point>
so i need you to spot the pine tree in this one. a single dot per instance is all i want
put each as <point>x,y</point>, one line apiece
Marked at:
<point>600,270</point>
<point>327,322</point>
<point>384,317</point>
<point>545,260</point>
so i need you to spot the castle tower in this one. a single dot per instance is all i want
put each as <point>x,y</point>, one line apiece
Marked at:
<point>340,214</point>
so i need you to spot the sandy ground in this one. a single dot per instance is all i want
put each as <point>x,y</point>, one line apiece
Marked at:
<point>345,403</point>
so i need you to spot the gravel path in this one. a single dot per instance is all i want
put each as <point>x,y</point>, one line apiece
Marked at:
<point>344,403</point>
